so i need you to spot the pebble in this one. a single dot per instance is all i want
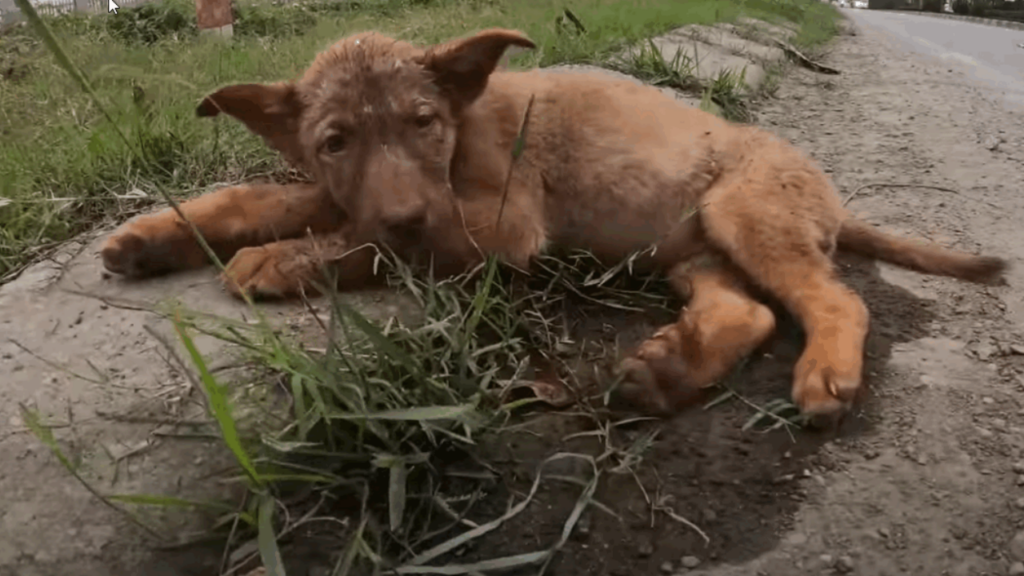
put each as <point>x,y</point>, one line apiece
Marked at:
<point>690,562</point>
<point>1019,503</point>
<point>667,567</point>
<point>825,559</point>
<point>988,400</point>
<point>1020,480</point>
<point>1018,467</point>
<point>1016,569</point>
<point>1016,547</point>
<point>645,549</point>
<point>845,564</point>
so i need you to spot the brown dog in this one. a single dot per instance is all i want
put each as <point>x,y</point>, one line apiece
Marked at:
<point>411,147</point>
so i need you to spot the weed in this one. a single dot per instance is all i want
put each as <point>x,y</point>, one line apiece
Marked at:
<point>148,23</point>
<point>772,80</point>
<point>648,63</point>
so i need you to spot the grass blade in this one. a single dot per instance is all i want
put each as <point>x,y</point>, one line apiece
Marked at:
<point>219,405</point>
<point>409,414</point>
<point>504,563</point>
<point>167,502</point>
<point>45,435</point>
<point>396,493</point>
<point>269,553</point>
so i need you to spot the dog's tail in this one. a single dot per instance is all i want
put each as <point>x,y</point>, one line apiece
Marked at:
<point>864,239</point>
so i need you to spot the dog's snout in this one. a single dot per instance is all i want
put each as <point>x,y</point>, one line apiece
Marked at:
<point>408,222</point>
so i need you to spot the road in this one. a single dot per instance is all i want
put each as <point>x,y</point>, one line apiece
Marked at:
<point>987,54</point>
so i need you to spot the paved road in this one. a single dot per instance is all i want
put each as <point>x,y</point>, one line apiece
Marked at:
<point>988,54</point>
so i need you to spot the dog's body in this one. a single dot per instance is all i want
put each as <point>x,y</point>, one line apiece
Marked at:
<point>413,148</point>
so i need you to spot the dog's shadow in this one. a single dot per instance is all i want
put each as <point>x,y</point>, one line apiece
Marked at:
<point>741,487</point>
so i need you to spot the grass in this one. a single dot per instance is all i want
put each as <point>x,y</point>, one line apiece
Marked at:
<point>62,168</point>
<point>372,411</point>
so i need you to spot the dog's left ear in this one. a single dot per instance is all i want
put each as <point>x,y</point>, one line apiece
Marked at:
<point>461,67</point>
<point>269,110</point>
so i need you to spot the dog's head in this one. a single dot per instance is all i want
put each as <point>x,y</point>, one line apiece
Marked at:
<point>375,119</point>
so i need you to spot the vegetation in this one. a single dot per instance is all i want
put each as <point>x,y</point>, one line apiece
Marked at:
<point>374,412</point>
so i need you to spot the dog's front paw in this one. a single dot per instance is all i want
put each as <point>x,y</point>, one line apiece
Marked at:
<point>269,272</point>
<point>148,247</point>
<point>124,252</point>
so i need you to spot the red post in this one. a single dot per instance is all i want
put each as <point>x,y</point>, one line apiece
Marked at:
<point>214,16</point>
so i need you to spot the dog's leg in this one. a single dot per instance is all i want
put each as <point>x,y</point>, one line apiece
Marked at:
<point>790,258</point>
<point>720,325</point>
<point>229,219</point>
<point>292,267</point>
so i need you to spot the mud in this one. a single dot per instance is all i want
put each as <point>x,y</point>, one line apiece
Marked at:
<point>920,480</point>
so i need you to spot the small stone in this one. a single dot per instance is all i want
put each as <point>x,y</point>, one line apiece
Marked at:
<point>845,564</point>
<point>667,567</point>
<point>825,559</point>
<point>690,562</point>
<point>1016,547</point>
<point>883,532</point>
<point>1016,569</point>
<point>1017,349</point>
<point>988,400</point>
<point>1018,467</point>
<point>709,515</point>
<point>1020,480</point>
<point>986,352</point>
<point>645,549</point>
<point>1019,503</point>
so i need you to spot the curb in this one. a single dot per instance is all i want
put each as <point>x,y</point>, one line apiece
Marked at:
<point>974,19</point>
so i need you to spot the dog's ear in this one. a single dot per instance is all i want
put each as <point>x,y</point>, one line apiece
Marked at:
<point>461,67</point>
<point>269,110</point>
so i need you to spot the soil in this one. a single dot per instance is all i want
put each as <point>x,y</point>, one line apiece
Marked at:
<point>926,477</point>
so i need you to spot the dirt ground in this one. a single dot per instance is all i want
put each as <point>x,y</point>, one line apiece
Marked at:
<point>927,478</point>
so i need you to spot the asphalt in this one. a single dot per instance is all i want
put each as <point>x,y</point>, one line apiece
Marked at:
<point>988,54</point>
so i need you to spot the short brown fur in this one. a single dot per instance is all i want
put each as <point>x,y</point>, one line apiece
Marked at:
<point>410,147</point>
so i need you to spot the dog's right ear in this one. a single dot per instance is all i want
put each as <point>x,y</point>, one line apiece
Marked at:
<point>463,66</point>
<point>269,110</point>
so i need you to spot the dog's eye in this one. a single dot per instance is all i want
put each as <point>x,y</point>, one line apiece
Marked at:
<point>425,120</point>
<point>334,144</point>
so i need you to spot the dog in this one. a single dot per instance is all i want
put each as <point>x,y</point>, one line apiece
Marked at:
<point>434,153</point>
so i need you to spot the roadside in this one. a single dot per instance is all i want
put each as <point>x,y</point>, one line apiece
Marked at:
<point>935,486</point>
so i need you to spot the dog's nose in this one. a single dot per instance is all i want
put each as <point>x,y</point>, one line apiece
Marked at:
<point>407,224</point>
